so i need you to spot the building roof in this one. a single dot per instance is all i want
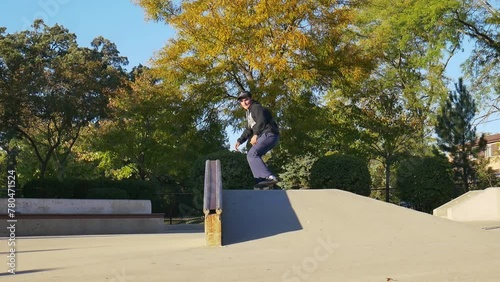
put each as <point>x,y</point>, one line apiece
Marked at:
<point>492,138</point>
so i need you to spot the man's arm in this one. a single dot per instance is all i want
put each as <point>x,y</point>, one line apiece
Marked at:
<point>243,138</point>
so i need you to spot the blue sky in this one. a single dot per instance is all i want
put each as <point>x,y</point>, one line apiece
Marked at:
<point>124,24</point>
<point>120,21</point>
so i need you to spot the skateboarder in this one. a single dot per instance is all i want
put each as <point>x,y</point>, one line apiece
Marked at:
<point>263,133</point>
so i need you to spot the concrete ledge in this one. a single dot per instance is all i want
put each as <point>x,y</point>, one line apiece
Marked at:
<point>82,224</point>
<point>478,205</point>
<point>77,206</point>
<point>80,216</point>
<point>39,217</point>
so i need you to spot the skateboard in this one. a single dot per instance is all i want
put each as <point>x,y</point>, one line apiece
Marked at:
<point>267,186</point>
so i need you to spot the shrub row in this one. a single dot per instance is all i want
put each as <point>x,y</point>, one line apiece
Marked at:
<point>342,172</point>
<point>424,182</point>
<point>336,171</point>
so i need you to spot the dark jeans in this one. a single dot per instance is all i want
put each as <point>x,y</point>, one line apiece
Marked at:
<point>265,142</point>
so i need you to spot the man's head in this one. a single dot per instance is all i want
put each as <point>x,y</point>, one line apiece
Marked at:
<point>245,99</point>
<point>244,94</point>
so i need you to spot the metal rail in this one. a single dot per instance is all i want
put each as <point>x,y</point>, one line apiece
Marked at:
<point>212,203</point>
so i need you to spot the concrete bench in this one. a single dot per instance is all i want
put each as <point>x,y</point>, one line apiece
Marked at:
<point>39,217</point>
<point>212,203</point>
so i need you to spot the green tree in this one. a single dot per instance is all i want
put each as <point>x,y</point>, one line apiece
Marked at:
<point>425,182</point>
<point>344,172</point>
<point>153,132</point>
<point>285,53</point>
<point>391,108</point>
<point>457,134</point>
<point>486,175</point>
<point>305,129</point>
<point>419,35</point>
<point>296,172</point>
<point>384,126</point>
<point>479,22</point>
<point>51,88</point>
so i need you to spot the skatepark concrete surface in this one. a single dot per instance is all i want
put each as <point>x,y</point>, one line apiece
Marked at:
<point>300,235</point>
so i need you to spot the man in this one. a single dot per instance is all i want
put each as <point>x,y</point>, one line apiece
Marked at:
<point>263,133</point>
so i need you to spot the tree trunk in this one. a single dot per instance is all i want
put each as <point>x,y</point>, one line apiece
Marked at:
<point>141,166</point>
<point>466,179</point>
<point>43,168</point>
<point>387,181</point>
<point>61,169</point>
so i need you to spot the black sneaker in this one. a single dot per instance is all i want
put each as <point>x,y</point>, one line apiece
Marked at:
<point>271,179</point>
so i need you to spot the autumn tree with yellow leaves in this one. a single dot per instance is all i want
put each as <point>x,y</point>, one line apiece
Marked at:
<point>366,74</point>
<point>287,53</point>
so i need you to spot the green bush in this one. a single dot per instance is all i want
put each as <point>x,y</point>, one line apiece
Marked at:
<point>342,172</point>
<point>107,193</point>
<point>48,188</point>
<point>425,183</point>
<point>82,186</point>
<point>486,176</point>
<point>297,172</point>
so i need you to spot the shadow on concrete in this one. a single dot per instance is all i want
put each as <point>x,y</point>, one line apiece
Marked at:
<point>27,271</point>
<point>37,251</point>
<point>254,214</point>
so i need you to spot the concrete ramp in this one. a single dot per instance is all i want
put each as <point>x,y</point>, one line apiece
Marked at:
<point>333,235</point>
<point>305,215</point>
<point>300,235</point>
<point>478,205</point>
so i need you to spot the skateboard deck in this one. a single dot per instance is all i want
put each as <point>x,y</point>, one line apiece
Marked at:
<point>266,186</point>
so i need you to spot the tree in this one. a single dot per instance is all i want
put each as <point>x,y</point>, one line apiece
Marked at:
<point>421,33</point>
<point>479,21</point>
<point>51,88</point>
<point>457,135</point>
<point>281,51</point>
<point>391,108</point>
<point>306,128</point>
<point>384,126</point>
<point>296,172</point>
<point>344,172</point>
<point>153,131</point>
<point>425,182</point>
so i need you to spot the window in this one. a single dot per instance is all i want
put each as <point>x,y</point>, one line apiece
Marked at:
<point>487,152</point>
<point>492,150</point>
<point>495,149</point>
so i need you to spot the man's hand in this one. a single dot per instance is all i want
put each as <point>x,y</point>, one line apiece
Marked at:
<point>253,141</point>
<point>237,145</point>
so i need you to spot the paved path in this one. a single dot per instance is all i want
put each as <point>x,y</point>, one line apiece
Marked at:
<point>317,235</point>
